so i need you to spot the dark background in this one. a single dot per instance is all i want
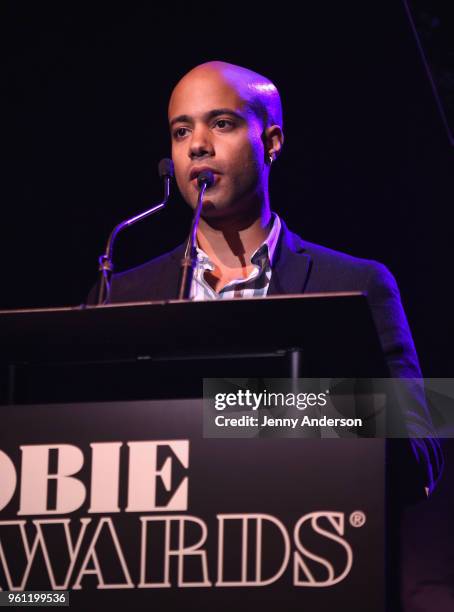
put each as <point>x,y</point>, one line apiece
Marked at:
<point>366,167</point>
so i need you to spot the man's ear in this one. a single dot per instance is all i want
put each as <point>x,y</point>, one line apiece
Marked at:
<point>273,138</point>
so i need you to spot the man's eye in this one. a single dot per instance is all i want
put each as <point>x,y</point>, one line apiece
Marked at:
<point>180,132</point>
<point>224,123</point>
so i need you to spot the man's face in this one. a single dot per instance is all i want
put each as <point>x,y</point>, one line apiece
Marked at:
<point>213,128</point>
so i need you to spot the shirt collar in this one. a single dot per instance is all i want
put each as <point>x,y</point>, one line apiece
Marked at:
<point>267,247</point>
<point>270,243</point>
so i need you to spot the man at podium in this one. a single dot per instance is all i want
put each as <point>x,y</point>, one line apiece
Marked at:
<point>228,120</point>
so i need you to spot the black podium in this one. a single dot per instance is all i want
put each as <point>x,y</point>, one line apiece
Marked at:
<point>109,489</point>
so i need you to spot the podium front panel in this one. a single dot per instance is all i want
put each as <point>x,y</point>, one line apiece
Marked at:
<point>126,504</point>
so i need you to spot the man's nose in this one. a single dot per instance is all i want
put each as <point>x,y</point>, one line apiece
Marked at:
<point>200,144</point>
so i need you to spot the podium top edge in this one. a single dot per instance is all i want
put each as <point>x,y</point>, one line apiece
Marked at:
<point>144,304</point>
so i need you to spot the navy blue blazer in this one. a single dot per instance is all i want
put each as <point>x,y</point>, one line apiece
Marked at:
<point>304,267</point>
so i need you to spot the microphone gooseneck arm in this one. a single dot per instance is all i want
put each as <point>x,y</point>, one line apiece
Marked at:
<point>106,260</point>
<point>188,263</point>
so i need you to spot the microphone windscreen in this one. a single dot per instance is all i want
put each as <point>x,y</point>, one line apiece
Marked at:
<point>165,168</point>
<point>207,177</point>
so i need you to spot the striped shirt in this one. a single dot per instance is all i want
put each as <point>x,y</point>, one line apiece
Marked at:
<point>255,285</point>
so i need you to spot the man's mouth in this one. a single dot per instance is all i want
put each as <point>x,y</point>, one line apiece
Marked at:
<point>196,171</point>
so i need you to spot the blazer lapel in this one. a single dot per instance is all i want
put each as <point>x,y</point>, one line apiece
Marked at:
<point>292,266</point>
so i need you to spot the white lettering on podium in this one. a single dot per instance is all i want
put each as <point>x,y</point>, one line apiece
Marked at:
<point>144,477</point>
<point>144,472</point>
<point>336,519</point>
<point>92,557</point>
<point>35,479</point>
<point>246,520</point>
<point>30,551</point>
<point>174,532</point>
<point>181,551</point>
<point>105,476</point>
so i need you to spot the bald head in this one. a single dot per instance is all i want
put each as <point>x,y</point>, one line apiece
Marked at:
<point>257,92</point>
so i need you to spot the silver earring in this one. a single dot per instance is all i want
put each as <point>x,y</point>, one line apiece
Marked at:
<point>271,158</point>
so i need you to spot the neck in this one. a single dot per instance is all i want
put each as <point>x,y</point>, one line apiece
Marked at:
<point>230,242</point>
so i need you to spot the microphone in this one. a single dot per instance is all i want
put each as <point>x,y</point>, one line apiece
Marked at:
<point>205,180</point>
<point>165,168</point>
<point>166,172</point>
<point>206,177</point>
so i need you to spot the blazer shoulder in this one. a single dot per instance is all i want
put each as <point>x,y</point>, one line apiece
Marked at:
<point>334,257</point>
<point>156,279</point>
<point>152,266</point>
<point>337,262</point>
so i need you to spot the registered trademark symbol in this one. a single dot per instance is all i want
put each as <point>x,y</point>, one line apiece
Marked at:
<point>357,518</point>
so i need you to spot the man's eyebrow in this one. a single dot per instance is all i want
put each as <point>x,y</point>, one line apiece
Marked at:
<point>181,119</point>
<point>216,112</point>
<point>223,111</point>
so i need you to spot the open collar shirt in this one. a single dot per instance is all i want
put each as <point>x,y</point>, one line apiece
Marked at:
<point>255,285</point>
